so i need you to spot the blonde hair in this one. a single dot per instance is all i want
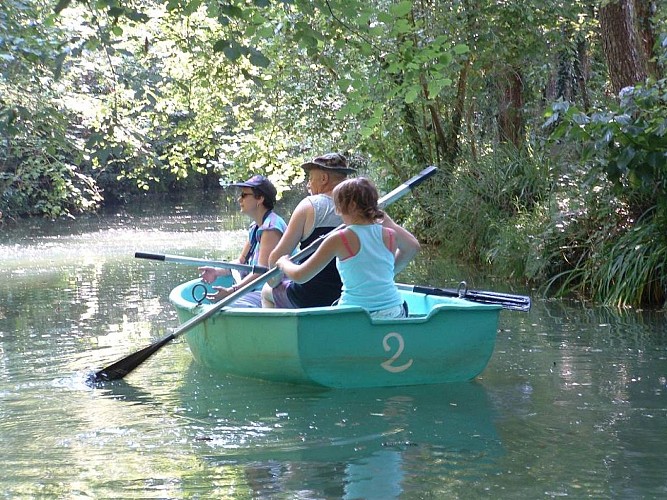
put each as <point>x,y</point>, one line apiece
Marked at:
<point>362,193</point>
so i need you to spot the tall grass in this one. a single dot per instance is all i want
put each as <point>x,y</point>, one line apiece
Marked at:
<point>519,217</point>
<point>488,215</point>
<point>634,271</point>
<point>597,251</point>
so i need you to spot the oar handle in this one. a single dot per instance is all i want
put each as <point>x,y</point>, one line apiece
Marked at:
<point>153,256</point>
<point>411,183</point>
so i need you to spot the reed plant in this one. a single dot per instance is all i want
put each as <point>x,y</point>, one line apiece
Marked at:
<point>560,227</point>
<point>489,215</point>
<point>618,264</point>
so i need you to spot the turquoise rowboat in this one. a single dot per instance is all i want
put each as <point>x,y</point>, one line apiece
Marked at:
<point>444,339</point>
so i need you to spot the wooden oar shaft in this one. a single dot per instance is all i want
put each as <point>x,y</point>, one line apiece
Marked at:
<point>127,364</point>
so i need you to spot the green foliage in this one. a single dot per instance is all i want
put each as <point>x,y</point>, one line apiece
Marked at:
<point>633,267</point>
<point>38,172</point>
<point>609,262</point>
<point>39,152</point>
<point>626,141</point>
<point>613,247</point>
<point>162,95</point>
<point>493,202</point>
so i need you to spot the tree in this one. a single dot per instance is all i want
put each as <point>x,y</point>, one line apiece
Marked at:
<point>628,41</point>
<point>40,149</point>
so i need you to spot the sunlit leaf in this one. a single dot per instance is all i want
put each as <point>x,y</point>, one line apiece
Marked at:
<point>435,86</point>
<point>366,49</point>
<point>401,26</point>
<point>192,7</point>
<point>461,49</point>
<point>385,18</point>
<point>412,93</point>
<point>344,84</point>
<point>401,9</point>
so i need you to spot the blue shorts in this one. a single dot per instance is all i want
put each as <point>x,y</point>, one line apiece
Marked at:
<point>280,297</point>
<point>250,299</point>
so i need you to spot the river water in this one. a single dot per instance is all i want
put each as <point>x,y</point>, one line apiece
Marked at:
<point>572,404</point>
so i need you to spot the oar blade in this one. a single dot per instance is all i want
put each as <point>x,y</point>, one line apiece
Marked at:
<point>506,304</point>
<point>507,301</point>
<point>122,367</point>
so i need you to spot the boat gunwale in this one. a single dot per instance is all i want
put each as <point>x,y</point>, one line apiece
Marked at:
<point>441,303</point>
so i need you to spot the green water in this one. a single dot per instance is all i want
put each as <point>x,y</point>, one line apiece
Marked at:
<point>573,403</point>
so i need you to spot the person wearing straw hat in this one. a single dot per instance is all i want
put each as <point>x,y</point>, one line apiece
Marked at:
<point>313,217</point>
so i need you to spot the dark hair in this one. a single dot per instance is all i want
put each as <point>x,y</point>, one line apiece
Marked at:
<point>268,202</point>
<point>362,193</point>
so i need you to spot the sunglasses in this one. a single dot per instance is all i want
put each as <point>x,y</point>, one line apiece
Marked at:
<point>243,195</point>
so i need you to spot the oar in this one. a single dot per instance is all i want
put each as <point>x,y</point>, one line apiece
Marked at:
<point>127,364</point>
<point>201,262</point>
<point>506,300</point>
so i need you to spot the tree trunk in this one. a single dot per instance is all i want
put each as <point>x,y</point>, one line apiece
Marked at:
<point>414,136</point>
<point>647,37</point>
<point>510,116</point>
<point>626,59</point>
<point>454,141</point>
<point>582,71</point>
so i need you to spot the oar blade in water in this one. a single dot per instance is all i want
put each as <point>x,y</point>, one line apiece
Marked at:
<point>122,367</point>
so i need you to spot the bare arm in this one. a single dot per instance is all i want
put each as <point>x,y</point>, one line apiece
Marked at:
<point>294,232</point>
<point>407,246</point>
<point>270,239</point>
<point>331,247</point>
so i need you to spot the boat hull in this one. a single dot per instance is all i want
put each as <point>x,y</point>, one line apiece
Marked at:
<point>444,340</point>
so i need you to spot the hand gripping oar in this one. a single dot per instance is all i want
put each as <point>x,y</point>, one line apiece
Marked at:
<point>506,300</point>
<point>179,259</point>
<point>127,364</point>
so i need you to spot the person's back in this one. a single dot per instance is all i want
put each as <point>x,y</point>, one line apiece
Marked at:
<point>368,274</point>
<point>325,287</point>
<point>367,253</point>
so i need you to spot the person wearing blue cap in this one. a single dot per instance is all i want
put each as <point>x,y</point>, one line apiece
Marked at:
<point>256,200</point>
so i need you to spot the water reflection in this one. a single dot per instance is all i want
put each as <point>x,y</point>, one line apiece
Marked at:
<point>364,443</point>
<point>581,382</point>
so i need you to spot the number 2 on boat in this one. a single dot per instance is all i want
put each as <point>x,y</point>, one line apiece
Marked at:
<point>388,365</point>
